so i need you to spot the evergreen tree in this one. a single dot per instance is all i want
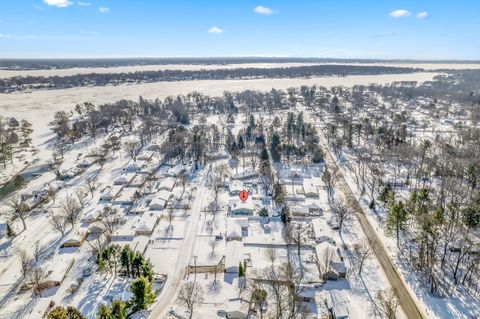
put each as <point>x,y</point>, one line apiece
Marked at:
<point>396,218</point>
<point>119,309</point>
<point>10,231</point>
<point>240,269</point>
<point>285,215</point>
<point>142,294</point>
<point>264,154</point>
<point>279,193</point>
<point>60,312</point>
<point>104,312</point>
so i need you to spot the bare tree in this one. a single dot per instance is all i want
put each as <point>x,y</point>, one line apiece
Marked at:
<point>213,244</point>
<point>59,223</point>
<point>71,209</point>
<point>325,259</point>
<point>80,195</point>
<point>37,277</point>
<point>296,234</point>
<point>387,303</point>
<point>190,294</point>
<point>26,262</point>
<point>272,255</point>
<point>51,193</point>
<point>170,217</point>
<point>92,184</point>
<point>132,148</point>
<point>37,250</point>
<point>183,180</point>
<point>329,177</point>
<point>110,221</point>
<point>363,251</point>
<point>343,214</point>
<point>18,209</point>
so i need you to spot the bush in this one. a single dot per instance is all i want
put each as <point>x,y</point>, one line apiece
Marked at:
<point>263,212</point>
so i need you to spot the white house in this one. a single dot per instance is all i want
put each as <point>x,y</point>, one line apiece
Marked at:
<point>300,211</point>
<point>126,197</point>
<point>309,190</point>
<point>122,180</point>
<point>237,228</point>
<point>235,187</point>
<point>167,184</point>
<point>157,204</point>
<point>238,207</point>
<point>164,195</point>
<point>146,224</point>
<point>321,231</point>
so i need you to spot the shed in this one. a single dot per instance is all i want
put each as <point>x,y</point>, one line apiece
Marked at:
<point>75,239</point>
<point>336,305</point>
<point>300,211</point>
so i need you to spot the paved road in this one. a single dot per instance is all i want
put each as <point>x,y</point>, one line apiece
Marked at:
<point>404,296</point>
<point>169,293</point>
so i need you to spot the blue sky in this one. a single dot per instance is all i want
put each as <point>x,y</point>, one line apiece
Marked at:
<point>407,29</point>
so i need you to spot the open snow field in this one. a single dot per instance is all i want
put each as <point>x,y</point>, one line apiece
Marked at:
<point>193,67</point>
<point>142,68</point>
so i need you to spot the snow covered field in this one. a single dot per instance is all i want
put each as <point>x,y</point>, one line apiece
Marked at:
<point>192,67</point>
<point>142,68</point>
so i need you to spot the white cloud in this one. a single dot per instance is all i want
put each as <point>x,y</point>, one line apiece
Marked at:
<point>58,3</point>
<point>89,32</point>
<point>104,9</point>
<point>400,13</point>
<point>422,15</point>
<point>263,10</point>
<point>83,4</point>
<point>8,36</point>
<point>216,30</point>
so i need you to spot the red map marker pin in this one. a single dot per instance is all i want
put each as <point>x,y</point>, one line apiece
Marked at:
<point>243,196</point>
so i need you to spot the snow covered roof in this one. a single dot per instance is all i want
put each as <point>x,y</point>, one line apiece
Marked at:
<point>146,224</point>
<point>167,184</point>
<point>163,194</point>
<point>235,187</point>
<point>157,203</point>
<point>336,303</point>
<point>299,210</point>
<point>236,205</point>
<point>59,267</point>
<point>234,255</point>
<point>91,216</point>
<point>309,189</point>
<point>177,170</point>
<point>321,249</point>
<point>121,180</point>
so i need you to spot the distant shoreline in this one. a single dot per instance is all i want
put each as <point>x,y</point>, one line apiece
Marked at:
<point>15,64</point>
